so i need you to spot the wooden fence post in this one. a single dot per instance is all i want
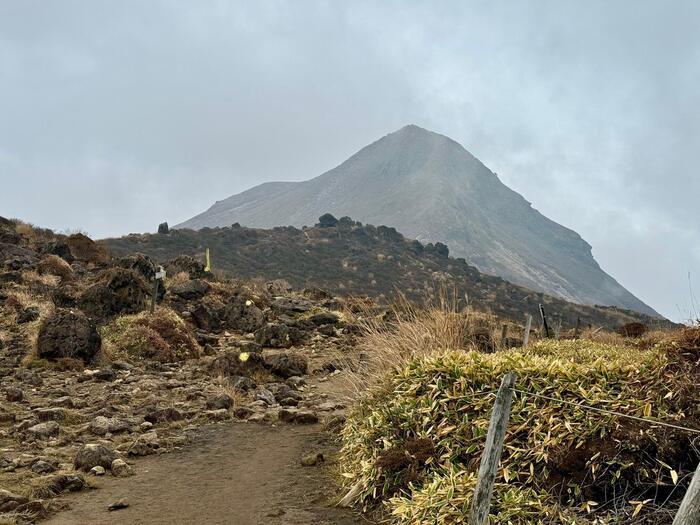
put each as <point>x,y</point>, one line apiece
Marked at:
<point>544,321</point>
<point>689,511</point>
<point>578,327</point>
<point>492,452</point>
<point>528,325</point>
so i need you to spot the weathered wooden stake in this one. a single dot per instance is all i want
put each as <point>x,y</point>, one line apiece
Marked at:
<point>528,325</point>
<point>689,511</point>
<point>492,452</point>
<point>544,321</point>
<point>578,327</point>
<point>504,332</point>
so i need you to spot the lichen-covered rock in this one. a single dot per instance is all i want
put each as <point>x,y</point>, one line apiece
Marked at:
<point>191,290</point>
<point>287,365</point>
<point>68,333</point>
<point>117,291</point>
<point>93,455</point>
<point>242,314</point>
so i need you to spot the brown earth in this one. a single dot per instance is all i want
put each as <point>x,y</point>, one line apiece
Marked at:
<point>238,474</point>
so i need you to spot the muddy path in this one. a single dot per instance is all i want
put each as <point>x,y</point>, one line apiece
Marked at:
<point>239,473</point>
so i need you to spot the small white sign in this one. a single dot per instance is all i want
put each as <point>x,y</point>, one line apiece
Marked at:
<point>160,274</point>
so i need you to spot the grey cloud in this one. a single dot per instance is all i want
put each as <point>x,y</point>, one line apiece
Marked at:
<point>117,115</point>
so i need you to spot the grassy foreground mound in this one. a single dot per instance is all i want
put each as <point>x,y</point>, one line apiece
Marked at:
<point>162,336</point>
<point>415,441</point>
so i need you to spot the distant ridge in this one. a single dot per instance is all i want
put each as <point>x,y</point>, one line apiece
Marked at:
<point>346,257</point>
<point>432,189</point>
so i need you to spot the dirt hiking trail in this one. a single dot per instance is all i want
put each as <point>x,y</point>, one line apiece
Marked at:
<point>238,474</point>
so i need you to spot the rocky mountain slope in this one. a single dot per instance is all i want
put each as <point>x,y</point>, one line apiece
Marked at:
<point>432,189</point>
<point>347,257</point>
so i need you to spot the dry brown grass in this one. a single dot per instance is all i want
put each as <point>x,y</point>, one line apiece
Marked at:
<point>176,279</point>
<point>54,265</point>
<point>408,331</point>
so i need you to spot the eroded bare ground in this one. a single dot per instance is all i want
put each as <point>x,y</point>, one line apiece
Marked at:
<point>241,473</point>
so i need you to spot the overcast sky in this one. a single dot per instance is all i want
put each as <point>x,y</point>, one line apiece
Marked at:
<point>115,116</point>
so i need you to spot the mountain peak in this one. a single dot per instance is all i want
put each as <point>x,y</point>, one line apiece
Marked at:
<point>432,189</point>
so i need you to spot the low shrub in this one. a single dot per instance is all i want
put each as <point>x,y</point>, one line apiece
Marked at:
<point>558,459</point>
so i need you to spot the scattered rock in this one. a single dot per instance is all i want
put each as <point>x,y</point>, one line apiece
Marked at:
<point>242,314</point>
<point>263,394</point>
<point>220,401</point>
<point>163,415</point>
<point>10,501</point>
<point>14,394</point>
<point>98,471</point>
<point>145,445</point>
<point>117,505</point>
<point>93,455</point>
<point>102,425</point>
<point>242,412</point>
<point>120,468</point>
<point>310,460</point>
<point>44,430</point>
<point>191,290</point>
<point>287,365</point>
<point>43,467</point>
<point>293,415</point>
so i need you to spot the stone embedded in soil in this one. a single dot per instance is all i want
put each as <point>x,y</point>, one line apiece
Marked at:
<point>293,415</point>
<point>43,467</point>
<point>146,444</point>
<point>191,290</point>
<point>242,412</point>
<point>44,430</point>
<point>98,471</point>
<point>10,501</point>
<point>93,455</point>
<point>263,394</point>
<point>14,394</point>
<point>102,425</point>
<point>309,460</point>
<point>121,468</point>
<point>220,401</point>
<point>287,365</point>
<point>119,504</point>
<point>163,415</point>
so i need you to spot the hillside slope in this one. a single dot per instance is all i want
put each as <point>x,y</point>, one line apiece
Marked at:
<point>351,258</point>
<point>432,189</point>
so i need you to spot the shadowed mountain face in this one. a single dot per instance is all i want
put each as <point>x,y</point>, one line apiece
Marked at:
<point>430,188</point>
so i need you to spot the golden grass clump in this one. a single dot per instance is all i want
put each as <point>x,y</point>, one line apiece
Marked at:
<point>408,331</point>
<point>54,265</point>
<point>162,336</point>
<point>558,459</point>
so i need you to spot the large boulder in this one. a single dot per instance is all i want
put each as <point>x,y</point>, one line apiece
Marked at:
<point>83,248</point>
<point>185,263</point>
<point>93,455</point>
<point>117,291</point>
<point>191,290</point>
<point>143,264</point>
<point>14,257</point>
<point>241,313</point>
<point>207,314</point>
<point>68,333</point>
